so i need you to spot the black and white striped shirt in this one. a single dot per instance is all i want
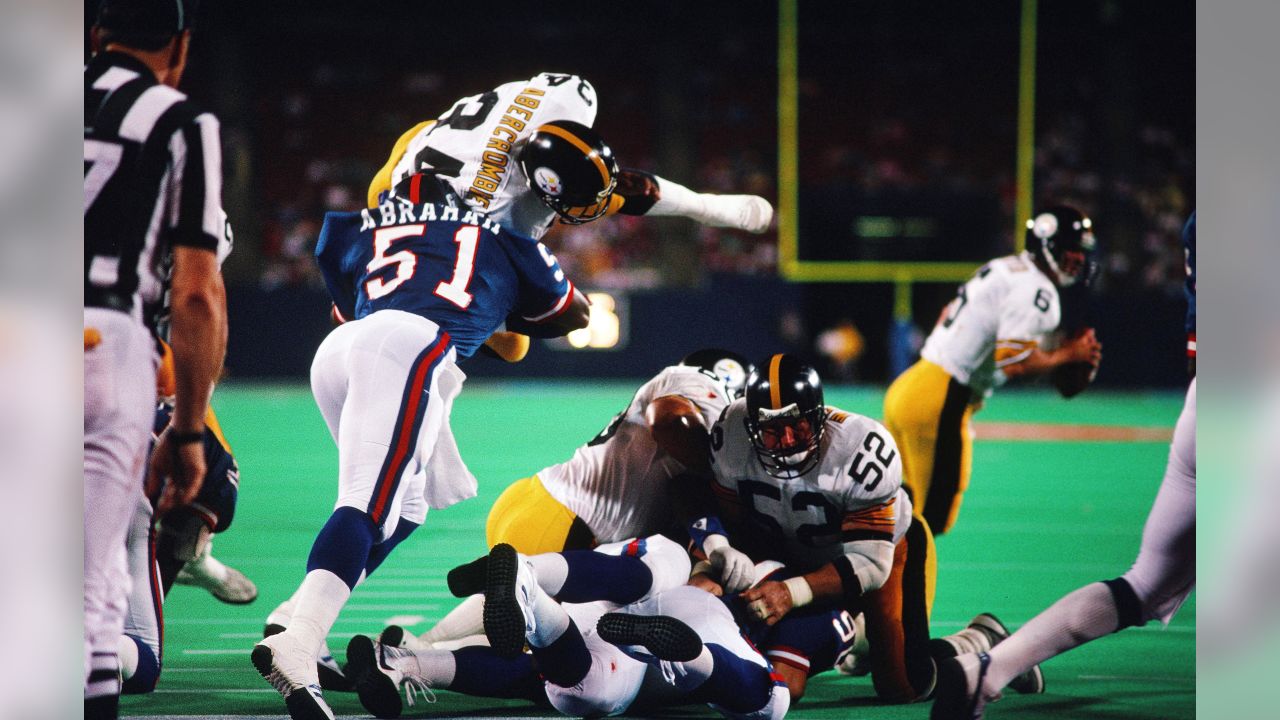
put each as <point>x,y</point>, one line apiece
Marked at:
<point>152,180</point>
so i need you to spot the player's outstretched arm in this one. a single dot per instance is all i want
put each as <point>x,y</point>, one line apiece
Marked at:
<point>744,212</point>
<point>574,316</point>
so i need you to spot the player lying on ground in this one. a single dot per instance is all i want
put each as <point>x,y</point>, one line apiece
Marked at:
<point>999,326</point>
<point>420,283</point>
<point>181,543</point>
<point>818,490</point>
<point>608,630</point>
<point>525,154</point>
<point>625,482</point>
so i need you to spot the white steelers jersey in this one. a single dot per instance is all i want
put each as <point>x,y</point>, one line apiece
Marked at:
<point>618,483</point>
<point>1006,310</point>
<point>854,493</point>
<point>474,145</point>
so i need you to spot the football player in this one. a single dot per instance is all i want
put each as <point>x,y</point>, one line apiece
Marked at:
<point>818,490</point>
<point>420,283</point>
<point>525,154</point>
<point>517,151</point>
<point>159,555</point>
<point>607,630</point>
<point>624,482</point>
<point>998,327</point>
<point>1154,588</point>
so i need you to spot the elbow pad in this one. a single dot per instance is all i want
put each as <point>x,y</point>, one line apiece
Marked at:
<point>865,566</point>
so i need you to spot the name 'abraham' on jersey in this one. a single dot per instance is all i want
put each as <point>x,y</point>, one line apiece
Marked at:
<point>450,264</point>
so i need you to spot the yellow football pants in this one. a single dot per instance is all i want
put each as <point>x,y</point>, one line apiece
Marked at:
<point>929,414</point>
<point>529,519</point>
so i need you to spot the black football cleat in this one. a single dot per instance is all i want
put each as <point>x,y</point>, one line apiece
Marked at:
<point>665,637</point>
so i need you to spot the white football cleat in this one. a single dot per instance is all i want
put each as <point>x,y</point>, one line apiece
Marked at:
<point>327,669</point>
<point>291,670</point>
<point>225,583</point>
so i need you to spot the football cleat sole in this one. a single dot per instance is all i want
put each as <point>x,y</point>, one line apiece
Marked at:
<point>378,692</point>
<point>665,637</point>
<point>503,619</point>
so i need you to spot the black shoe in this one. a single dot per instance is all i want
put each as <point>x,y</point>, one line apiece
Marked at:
<point>666,637</point>
<point>391,635</point>
<point>377,689</point>
<point>467,580</point>
<point>504,619</point>
<point>952,698</point>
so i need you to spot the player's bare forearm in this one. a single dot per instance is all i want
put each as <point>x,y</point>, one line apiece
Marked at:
<point>1085,348</point>
<point>197,334</point>
<point>826,584</point>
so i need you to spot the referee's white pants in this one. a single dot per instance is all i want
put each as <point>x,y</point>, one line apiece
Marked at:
<point>119,403</point>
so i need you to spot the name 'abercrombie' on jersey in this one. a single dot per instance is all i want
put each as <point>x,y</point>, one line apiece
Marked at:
<point>451,265</point>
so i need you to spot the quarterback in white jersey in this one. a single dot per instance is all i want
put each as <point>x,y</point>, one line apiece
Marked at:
<point>477,145</point>
<point>819,490</point>
<point>1002,324</point>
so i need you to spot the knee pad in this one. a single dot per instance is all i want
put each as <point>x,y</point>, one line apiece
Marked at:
<point>1129,608</point>
<point>668,562</point>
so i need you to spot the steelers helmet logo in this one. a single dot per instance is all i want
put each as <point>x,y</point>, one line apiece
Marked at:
<point>548,181</point>
<point>731,372</point>
<point>1045,225</point>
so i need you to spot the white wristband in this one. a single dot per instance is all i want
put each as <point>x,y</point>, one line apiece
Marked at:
<point>801,593</point>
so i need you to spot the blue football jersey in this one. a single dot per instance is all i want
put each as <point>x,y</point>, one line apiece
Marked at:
<point>451,265</point>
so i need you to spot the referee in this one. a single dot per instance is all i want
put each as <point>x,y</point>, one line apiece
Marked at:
<point>154,236</point>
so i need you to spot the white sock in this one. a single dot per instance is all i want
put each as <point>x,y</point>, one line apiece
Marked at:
<point>677,199</point>
<point>128,654</point>
<point>1081,616</point>
<point>464,620</point>
<point>551,621</point>
<point>551,569</point>
<point>319,600</point>
<point>436,667</point>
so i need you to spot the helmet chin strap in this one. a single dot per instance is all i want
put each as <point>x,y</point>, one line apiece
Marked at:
<point>1064,280</point>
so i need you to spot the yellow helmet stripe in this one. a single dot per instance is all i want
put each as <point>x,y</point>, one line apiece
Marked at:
<point>775,390</point>
<point>585,148</point>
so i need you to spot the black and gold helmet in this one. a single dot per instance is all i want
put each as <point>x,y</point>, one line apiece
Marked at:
<point>571,169</point>
<point>1062,237</point>
<point>786,416</point>
<point>727,366</point>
